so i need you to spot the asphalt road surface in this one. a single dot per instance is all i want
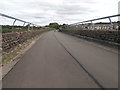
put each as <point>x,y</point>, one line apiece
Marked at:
<point>58,60</point>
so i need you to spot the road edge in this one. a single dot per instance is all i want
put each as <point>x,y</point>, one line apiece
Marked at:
<point>10,65</point>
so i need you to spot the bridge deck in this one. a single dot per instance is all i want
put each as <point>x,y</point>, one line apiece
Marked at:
<point>61,61</point>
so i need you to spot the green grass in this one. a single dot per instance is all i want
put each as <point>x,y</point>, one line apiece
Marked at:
<point>16,51</point>
<point>13,30</point>
<point>11,55</point>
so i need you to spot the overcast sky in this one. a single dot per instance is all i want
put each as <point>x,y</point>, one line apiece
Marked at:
<point>42,12</point>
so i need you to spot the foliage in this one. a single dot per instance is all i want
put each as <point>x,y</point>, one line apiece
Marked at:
<point>54,25</point>
<point>119,28</point>
<point>8,28</point>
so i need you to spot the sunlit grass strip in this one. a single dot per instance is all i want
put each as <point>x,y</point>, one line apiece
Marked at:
<point>13,30</point>
<point>16,51</point>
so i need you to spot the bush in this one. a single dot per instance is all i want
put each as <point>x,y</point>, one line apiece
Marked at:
<point>119,28</point>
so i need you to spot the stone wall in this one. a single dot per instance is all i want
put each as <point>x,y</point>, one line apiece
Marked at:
<point>111,36</point>
<point>10,40</point>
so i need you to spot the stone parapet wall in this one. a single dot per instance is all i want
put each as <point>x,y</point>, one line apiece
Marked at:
<point>10,40</point>
<point>111,36</point>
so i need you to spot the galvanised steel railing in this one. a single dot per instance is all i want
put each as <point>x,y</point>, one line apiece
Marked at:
<point>16,19</point>
<point>91,21</point>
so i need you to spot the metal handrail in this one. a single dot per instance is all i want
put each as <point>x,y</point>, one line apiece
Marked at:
<point>16,19</point>
<point>12,18</point>
<point>109,17</point>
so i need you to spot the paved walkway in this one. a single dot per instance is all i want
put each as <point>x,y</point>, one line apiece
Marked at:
<point>58,60</point>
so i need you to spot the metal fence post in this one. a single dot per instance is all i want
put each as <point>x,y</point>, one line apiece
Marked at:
<point>32,27</point>
<point>28,26</point>
<point>0,28</point>
<point>16,19</point>
<point>24,24</point>
<point>93,27</point>
<point>13,24</point>
<point>111,24</point>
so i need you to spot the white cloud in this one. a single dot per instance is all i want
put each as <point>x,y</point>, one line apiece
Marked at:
<point>62,11</point>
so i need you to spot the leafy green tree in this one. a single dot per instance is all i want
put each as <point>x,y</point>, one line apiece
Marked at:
<point>118,27</point>
<point>54,25</point>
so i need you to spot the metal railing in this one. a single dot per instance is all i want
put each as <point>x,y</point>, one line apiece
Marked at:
<point>16,19</point>
<point>91,21</point>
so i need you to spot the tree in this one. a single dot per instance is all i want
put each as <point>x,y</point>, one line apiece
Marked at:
<point>118,27</point>
<point>54,25</point>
